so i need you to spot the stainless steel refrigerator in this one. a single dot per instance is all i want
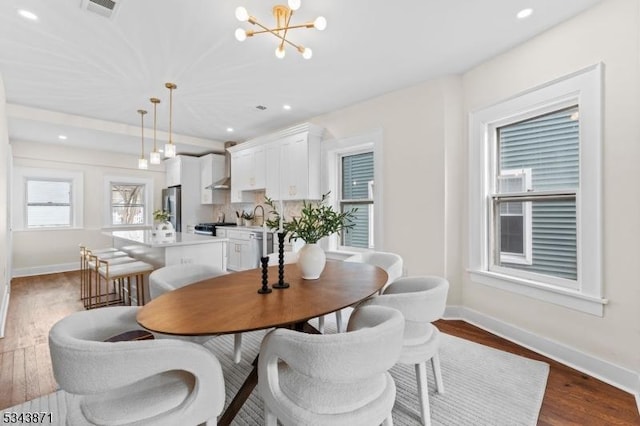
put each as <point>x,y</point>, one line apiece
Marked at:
<point>171,203</point>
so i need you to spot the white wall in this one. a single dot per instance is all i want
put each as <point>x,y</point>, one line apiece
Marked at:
<point>36,252</point>
<point>5,254</point>
<point>416,131</point>
<point>608,33</point>
<point>425,182</point>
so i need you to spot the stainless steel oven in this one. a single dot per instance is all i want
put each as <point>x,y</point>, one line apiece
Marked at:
<point>210,228</point>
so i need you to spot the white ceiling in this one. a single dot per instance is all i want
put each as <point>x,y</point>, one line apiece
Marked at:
<point>77,73</point>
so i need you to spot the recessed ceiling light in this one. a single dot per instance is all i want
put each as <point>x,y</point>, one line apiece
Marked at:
<point>229,129</point>
<point>28,15</point>
<point>524,13</point>
<point>62,137</point>
<point>287,107</point>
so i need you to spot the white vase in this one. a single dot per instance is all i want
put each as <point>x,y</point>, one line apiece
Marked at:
<point>311,260</point>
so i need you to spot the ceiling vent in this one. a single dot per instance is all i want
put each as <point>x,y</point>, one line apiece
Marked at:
<point>106,8</point>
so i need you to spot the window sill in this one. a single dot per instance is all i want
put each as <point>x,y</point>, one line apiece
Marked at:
<point>567,298</point>
<point>69,228</point>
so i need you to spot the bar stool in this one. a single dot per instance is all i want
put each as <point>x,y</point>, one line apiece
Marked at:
<point>85,268</point>
<point>121,275</point>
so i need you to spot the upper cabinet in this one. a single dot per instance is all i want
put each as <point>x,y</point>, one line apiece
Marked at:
<point>247,173</point>
<point>285,164</point>
<point>211,171</point>
<point>179,170</point>
<point>299,167</point>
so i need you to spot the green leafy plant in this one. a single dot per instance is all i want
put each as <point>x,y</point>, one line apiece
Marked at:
<point>316,220</point>
<point>247,215</point>
<point>161,216</point>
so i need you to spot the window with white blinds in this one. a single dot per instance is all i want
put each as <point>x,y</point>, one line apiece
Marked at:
<point>535,193</point>
<point>49,203</point>
<point>547,147</point>
<point>356,172</point>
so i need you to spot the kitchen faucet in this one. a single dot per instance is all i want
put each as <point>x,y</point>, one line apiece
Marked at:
<point>255,216</point>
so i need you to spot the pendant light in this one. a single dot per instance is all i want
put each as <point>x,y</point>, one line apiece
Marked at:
<point>142,162</point>
<point>170,148</point>
<point>154,156</point>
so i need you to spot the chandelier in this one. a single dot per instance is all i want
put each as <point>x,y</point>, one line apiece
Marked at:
<point>282,14</point>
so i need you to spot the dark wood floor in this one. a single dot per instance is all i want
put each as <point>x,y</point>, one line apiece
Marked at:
<point>571,397</point>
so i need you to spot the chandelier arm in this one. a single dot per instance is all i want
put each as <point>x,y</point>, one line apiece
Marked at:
<point>286,28</point>
<point>291,27</point>
<point>268,30</point>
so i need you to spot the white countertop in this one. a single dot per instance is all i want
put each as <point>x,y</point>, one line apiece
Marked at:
<point>248,228</point>
<point>181,239</point>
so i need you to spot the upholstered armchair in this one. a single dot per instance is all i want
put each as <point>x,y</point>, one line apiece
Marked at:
<point>172,277</point>
<point>159,382</point>
<point>390,262</point>
<point>334,379</point>
<point>421,300</point>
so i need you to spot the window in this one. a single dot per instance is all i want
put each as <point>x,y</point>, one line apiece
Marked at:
<point>514,228</point>
<point>128,201</point>
<point>535,193</point>
<point>48,203</point>
<point>356,175</point>
<point>127,204</point>
<point>47,199</point>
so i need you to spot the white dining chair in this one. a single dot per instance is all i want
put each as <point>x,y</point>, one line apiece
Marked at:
<point>172,277</point>
<point>332,379</point>
<point>421,300</point>
<point>390,262</point>
<point>160,382</point>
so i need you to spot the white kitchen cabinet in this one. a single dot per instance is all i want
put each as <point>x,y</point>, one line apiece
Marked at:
<point>272,175</point>
<point>211,171</point>
<point>172,167</point>
<point>247,172</point>
<point>241,256</point>
<point>300,167</point>
<point>184,170</point>
<point>285,164</point>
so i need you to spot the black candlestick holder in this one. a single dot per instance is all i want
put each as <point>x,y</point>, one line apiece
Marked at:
<point>265,276</point>
<point>280,284</point>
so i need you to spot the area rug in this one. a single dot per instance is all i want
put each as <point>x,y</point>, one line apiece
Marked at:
<point>483,386</point>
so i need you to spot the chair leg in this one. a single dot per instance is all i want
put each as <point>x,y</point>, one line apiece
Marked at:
<point>339,321</point>
<point>269,418</point>
<point>321,324</point>
<point>437,372</point>
<point>423,393</point>
<point>237,347</point>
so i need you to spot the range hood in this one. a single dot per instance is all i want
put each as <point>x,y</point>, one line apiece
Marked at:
<point>225,182</point>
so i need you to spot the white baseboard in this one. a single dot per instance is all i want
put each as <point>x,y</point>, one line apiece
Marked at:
<point>620,377</point>
<point>4,310</point>
<point>47,269</point>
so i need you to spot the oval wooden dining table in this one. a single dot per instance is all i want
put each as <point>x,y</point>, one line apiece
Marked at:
<point>231,304</point>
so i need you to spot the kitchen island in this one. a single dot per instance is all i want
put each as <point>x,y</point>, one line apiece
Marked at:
<point>183,248</point>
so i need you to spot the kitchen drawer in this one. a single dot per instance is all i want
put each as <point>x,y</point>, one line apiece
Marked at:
<point>238,235</point>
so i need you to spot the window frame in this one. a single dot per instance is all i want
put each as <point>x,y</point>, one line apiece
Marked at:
<point>359,201</point>
<point>28,204</point>
<point>332,152</point>
<point>23,174</point>
<point>582,88</point>
<point>527,257</point>
<point>107,214</point>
